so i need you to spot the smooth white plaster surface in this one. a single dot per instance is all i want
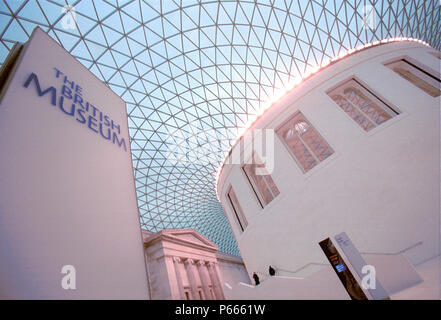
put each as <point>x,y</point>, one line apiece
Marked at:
<point>381,187</point>
<point>67,195</point>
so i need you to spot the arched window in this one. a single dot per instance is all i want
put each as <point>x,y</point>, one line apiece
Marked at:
<point>261,181</point>
<point>237,209</point>
<point>304,142</point>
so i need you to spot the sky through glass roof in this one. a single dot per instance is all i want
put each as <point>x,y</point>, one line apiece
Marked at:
<point>194,73</point>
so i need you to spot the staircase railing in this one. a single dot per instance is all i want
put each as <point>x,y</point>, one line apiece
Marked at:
<point>327,264</point>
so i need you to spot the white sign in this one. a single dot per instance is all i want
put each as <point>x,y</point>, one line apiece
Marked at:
<point>366,272</point>
<point>67,191</point>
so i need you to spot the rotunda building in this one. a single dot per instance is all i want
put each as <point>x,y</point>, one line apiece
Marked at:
<point>355,148</point>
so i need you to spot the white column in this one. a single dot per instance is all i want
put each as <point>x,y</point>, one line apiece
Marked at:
<point>215,280</point>
<point>205,279</point>
<point>193,278</point>
<point>171,273</point>
<point>176,261</point>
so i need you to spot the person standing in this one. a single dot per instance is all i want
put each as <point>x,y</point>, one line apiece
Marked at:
<point>256,279</point>
<point>271,271</point>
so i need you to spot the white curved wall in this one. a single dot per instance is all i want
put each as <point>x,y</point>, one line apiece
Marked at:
<point>381,187</point>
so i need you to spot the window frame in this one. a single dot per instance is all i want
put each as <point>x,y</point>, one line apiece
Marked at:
<point>434,77</point>
<point>253,184</point>
<point>280,126</point>
<point>372,95</point>
<point>239,214</point>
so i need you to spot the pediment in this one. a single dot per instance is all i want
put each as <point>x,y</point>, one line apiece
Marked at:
<point>185,237</point>
<point>189,238</point>
<point>189,235</point>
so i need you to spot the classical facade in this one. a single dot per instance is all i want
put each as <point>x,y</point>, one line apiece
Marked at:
<point>183,265</point>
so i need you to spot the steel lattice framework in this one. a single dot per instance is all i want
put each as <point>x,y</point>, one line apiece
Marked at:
<point>194,73</point>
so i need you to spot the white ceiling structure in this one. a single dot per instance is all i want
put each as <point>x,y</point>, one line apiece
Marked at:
<point>195,73</point>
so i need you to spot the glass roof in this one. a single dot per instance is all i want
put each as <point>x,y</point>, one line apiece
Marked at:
<point>194,73</point>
